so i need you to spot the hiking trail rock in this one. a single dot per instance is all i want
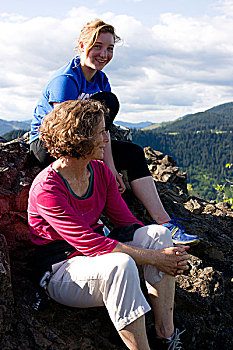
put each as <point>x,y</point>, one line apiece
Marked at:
<point>203,302</point>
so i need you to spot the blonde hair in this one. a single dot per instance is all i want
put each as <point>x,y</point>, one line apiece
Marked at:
<point>90,32</point>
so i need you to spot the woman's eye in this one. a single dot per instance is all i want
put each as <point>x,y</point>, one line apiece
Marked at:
<point>110,49</point>
<point>97,46</point>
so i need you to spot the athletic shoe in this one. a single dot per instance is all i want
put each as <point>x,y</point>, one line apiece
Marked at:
<point>165,344</point>
<point>179,236</point>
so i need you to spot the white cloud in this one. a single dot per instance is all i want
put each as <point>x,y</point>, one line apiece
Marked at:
<point>225,7</point>
<point>187,65</point>
<point>179,66</point>
<point>11,17</point>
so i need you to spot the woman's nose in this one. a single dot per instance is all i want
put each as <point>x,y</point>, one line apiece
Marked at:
<point>106,137</point>
<point>103,53</point>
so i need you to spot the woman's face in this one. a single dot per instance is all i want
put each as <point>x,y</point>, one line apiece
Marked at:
<point>100,54</point>
<point>101,138</point>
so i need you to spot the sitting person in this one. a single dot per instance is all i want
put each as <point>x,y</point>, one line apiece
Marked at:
<point>84,268</point>
<point>81,78</point>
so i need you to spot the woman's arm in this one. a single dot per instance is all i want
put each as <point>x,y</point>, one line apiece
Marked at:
<point>171,260</point>
<point>108,159</point>
<point>52,216</point>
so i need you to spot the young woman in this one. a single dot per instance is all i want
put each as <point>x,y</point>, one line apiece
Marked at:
<point>81,78</point>
<point>65,203</point>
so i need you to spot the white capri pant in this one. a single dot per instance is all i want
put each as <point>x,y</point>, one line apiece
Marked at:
<point>110,279</point>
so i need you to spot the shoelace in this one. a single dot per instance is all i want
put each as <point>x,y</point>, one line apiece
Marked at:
<point>176,223</point>
<point>175,343</point>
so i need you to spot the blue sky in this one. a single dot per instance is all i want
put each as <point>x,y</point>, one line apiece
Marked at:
<point>146,11</point>
<point>175,59</point>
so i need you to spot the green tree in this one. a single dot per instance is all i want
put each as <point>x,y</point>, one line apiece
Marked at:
<point>14,134</point>
<point>225,191</point>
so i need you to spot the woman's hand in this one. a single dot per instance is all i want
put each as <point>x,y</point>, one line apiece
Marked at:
<point>173,260</point>
<point>120,182</point>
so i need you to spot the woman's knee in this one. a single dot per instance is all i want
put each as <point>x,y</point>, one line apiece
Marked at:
<point>136,150</point>
<point>40,153</point>
<point>137,165</point>
<point>165,237</point>
<point>154,237</point>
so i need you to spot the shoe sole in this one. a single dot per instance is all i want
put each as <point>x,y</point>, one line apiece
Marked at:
<point>186,242</point>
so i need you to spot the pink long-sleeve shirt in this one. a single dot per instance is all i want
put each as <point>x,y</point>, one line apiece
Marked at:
<point>54,213</point>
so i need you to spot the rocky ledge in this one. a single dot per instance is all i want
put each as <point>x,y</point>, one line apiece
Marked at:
<point>203,302</point>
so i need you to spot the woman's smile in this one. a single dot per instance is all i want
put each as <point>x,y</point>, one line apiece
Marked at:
<point>100,54</point>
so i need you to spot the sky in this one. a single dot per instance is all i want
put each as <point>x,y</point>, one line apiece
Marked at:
<point>175,58</point>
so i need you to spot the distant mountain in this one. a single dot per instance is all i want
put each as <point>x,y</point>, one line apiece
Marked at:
<point>201,144</point>
<point>218,118</point>
<point>7,126</point>
<point>140,125</point>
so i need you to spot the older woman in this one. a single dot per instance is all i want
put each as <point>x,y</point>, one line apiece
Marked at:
<point>87,268</point>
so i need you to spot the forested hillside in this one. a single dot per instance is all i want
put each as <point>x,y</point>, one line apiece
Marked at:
<point>201,144</point>
<point>11,135</point>
<point>219,118</point>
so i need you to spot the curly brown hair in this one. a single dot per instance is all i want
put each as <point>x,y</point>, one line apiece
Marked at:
<point>69,130</point>
<point>91,30</point>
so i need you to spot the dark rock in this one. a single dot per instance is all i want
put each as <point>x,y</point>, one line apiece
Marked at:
<point>6,294</point>
<point>203,294</point>
<point>16,174</point>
